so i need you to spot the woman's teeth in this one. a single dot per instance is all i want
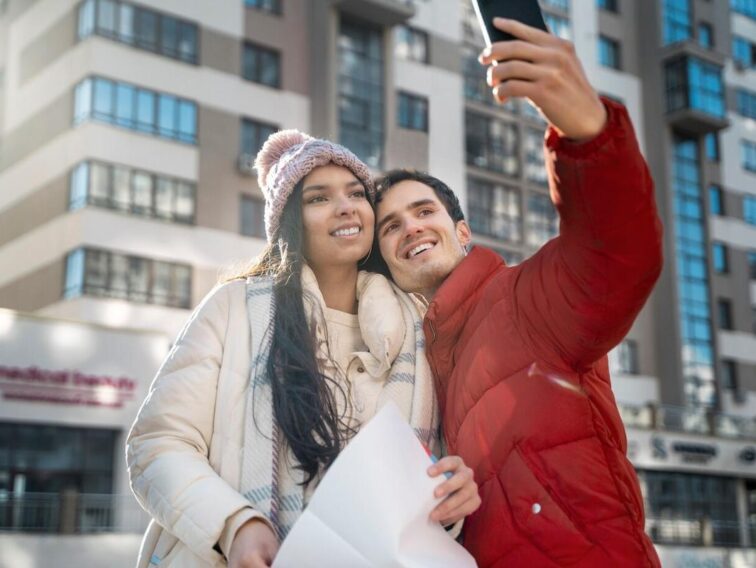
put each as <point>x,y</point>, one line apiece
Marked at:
<point>346,232</point>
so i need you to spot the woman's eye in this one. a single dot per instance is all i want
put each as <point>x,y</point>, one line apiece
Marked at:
<point>360,194</point>
<point>316,199</point>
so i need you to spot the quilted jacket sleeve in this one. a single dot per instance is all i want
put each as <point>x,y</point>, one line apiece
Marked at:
<point>167,447</point>
<point>578,296</point>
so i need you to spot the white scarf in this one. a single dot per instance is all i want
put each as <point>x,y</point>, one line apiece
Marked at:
<point>270,479</point>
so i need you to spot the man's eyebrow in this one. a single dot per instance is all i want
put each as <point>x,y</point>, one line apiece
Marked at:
<point>410,207</point>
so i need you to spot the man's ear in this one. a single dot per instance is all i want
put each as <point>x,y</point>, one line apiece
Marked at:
<point>464,234</point>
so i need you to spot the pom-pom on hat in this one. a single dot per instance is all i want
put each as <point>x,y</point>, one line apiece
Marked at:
<point>287,157</point>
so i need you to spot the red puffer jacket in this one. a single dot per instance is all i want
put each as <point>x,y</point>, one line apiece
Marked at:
<point>519,355</point>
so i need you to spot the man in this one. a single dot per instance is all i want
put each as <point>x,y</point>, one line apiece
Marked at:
<point>519,353</point>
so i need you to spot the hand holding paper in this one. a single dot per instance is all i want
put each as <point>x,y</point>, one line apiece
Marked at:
<point>372,507</point>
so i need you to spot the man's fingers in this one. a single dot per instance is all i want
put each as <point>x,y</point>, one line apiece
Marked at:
<point>524,31</point>
<point>514,88</point>
<point>515,49</point>
<point>514,70</point>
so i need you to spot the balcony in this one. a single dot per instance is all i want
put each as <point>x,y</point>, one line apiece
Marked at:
<point>695,95</point>
<point>382,12</point>
<point>697,532</point>
<point>697,421</point>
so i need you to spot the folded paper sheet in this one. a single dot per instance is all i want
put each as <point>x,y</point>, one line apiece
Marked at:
<point>371,508</point>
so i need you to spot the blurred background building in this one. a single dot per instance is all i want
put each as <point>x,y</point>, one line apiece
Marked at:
<point>128,131</point>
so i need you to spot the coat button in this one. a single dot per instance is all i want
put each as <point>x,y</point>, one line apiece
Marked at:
<point>536,508</point>
<point>360,369</point>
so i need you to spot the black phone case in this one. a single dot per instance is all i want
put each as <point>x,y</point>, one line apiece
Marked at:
<point>525,11</point>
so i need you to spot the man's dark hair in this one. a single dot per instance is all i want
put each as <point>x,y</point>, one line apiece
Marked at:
<point>442,191</point>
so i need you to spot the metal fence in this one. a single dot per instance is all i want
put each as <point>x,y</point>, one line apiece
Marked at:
<point>700,532</point>
<point>71,512</point>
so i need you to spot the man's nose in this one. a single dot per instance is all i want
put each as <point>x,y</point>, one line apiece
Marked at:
<point>411,228</point>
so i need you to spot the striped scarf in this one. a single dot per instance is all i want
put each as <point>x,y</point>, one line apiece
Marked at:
<point>270,479</point>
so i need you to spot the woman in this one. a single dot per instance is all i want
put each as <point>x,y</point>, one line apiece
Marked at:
<point>277,369</point>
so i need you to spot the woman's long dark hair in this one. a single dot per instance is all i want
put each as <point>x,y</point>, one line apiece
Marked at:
<point>304,399</point>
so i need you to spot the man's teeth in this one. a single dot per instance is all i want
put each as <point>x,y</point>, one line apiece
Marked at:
<point>418,249</point>
<point>346,232</point>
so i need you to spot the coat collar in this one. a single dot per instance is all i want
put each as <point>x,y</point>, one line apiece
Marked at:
<point>459,293</point>
<point>379,314</point>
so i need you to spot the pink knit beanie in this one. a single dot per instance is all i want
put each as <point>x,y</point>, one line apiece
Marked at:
<point>287,157</point>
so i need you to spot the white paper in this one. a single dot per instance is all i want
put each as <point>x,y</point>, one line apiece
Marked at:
<point>371,508</point>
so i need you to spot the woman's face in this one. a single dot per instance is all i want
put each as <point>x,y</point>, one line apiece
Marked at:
<point>337,218</point>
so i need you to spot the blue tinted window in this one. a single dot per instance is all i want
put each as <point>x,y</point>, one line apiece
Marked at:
<point>129,107</point>
<point>745,7</point>
<point>743,51</point>
<point>167,115</point>
<point>609,52</point>
<point>79,185</point>
<point>124,105</point>
<point>83,101</point>
<point>413,112</point>
<point>608,5</point>
<point>716,204</point>
<point>711,143</point>
<point>705,35</point>
<point>746,103</point>
<point>145,111</point>
<point>86,18</point>
<point>560,27</point>
<point>676,21</point>
<point>748,155</point>
<point>74,285</point>
<point>749,209</point>
<point>103,98</point>
<point>719,257</point>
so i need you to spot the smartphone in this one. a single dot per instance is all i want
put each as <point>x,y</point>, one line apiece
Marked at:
<point>525,11</point>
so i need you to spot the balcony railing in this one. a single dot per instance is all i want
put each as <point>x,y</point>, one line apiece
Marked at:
<point>688,420</point>
<point>71,512</point>
<point>698,532</point>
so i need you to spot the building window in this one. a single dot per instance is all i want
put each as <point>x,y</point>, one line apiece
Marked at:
<point>558,25</point>
<point>253,136</point>
<point>413,112</point>
<point>711,145</point>
<point>745,7</point>
<point>676,21</point>
<point>261,65</point>
<point>143,28</point>
<point>746,103</point>
<point>361,85</point>
<point>535,169</point>
<point>729,375</point>
<point>627,356</point>
<point>724,311</point>
<point>695,84</point>
<point>748,153</point>
<point>705,35</point>
<point>136,279</point>
<point>743,52</point>
<point>563,5</point>
<point>270,6</point>
<point>411,44</point>
<point>491,144</point>
<point>252,217</point>
<point>608,5</point>
<point>719,258</point>
<point>691,509</point>
<point>494,210</point>
<point>40,461</point>
<point>752,264</point>
<point>476,88</point>
<point>541,220</point>
<point>716,201</point>
<point>131,107</point>
<point>692,277</point>
<point>749,209</point>
<point>133,191</point>
<point>609,52</point>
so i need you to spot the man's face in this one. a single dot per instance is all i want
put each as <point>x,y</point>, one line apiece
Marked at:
<point>417,237</point>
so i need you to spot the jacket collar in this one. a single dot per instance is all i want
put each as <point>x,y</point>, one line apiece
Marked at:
<point>379,313</point>
<point>459,293</point>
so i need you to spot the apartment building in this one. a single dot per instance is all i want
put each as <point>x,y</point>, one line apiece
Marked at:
<point>128,130</point>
